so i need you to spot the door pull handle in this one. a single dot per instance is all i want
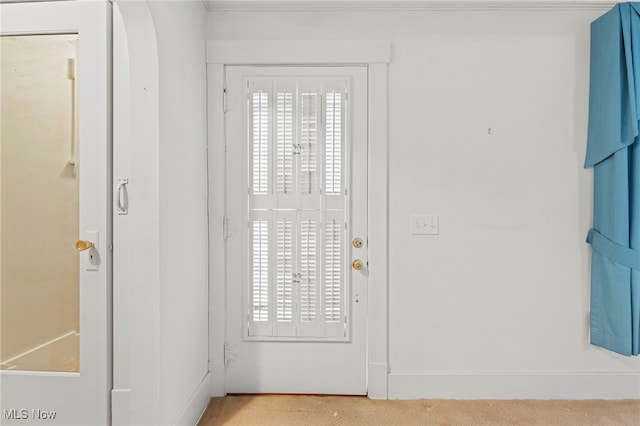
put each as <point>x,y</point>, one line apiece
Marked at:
<point>122,198</point>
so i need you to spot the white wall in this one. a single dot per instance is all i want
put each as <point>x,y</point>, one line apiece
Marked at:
<point>497,304</point>
<point>181,33</point>
<point>161,246</point>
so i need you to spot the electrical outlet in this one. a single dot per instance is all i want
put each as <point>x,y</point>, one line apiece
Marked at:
<point>424,224</point>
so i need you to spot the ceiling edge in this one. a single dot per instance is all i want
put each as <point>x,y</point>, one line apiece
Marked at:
<point>400,5</point>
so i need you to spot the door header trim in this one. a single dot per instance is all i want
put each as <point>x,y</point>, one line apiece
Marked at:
<point>285,52</point>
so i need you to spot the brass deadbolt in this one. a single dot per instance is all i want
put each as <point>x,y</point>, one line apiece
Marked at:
<point>357,264</point>
<point>357,242</point>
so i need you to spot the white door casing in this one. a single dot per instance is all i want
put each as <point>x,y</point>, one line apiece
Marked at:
<point>289,241</point>
<point>76,398</point>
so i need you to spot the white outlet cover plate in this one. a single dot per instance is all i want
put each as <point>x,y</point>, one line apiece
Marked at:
<point>424,224</point>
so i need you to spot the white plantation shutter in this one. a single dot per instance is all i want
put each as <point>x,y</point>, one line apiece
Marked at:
<point>333,142</point>
<point>309,142</point>
<point>332,267</point>
<point>284,270</point>
<point>260,142</point>
<point>260,270</point>
<point>297,208</point>
<point>308,269</point>
<point>284,140</point>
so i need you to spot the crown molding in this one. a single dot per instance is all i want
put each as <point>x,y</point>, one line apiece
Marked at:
<point>403,5</point>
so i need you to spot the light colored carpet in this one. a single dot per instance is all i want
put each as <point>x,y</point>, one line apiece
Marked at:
<point>285,410</point>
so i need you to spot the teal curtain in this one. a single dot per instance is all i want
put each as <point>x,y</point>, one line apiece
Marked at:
<point>614,154</point>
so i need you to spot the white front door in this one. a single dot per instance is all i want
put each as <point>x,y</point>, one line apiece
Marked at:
<point>55,204</point>
<point>296,221</point>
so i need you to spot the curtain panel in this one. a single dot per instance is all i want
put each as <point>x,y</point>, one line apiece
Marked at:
<point>614,154</point>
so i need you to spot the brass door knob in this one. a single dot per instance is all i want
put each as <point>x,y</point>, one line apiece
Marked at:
<point>357,264</point>
<point>82,245</point>
<point>357,242</point>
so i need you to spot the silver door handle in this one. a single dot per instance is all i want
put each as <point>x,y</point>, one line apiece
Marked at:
<point>122,199</point>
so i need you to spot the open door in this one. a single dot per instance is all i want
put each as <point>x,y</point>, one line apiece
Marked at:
<point>55,233</point>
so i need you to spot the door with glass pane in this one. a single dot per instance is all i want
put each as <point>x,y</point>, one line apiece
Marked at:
<point>296,229</point>
<point>54,210</point>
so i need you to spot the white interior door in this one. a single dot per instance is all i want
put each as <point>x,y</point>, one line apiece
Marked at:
<point>295,216</point>
<point>55,213</point>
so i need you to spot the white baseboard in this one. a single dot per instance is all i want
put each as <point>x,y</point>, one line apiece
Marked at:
<point>514,385</point>
<point>217,378</point>
<point>197,403</point>
<point>120,407</point>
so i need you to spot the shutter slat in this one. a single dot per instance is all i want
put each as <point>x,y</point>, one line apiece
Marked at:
<point>333,142</point>
<point>284,270</point>
<point>308,269</point>
<point>308,142</point>
<point>284,142</point>
<point>333,271</point>
<point>260,270</point>
<point>260,143</point>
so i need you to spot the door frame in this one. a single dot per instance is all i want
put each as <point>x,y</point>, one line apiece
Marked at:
<point>375,56</point>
